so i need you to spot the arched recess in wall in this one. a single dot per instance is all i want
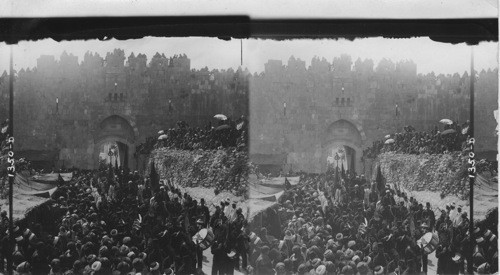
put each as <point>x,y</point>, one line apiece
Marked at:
<point>347,136</point>
<point>117,129</point>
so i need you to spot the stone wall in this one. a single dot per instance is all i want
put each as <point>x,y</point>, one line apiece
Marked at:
<point>59,105</point>
<point>154,94</point>
<point>293,107</point>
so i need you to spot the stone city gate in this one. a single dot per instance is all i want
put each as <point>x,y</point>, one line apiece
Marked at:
<point>116,129</point>
<point>342,134</point>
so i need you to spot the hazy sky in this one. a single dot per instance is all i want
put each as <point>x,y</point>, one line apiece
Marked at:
<point>214,53</point>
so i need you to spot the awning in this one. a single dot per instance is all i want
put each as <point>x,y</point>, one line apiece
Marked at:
<point>38,155</point>
<point>273,159</point>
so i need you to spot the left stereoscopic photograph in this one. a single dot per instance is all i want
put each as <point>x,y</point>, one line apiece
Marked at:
<point>130,156</point>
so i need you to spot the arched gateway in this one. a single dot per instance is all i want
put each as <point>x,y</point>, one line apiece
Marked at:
<point>341,143</point>
<point>115,132</point>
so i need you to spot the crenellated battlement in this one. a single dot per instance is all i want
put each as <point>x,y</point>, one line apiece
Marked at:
<point>60,102</point>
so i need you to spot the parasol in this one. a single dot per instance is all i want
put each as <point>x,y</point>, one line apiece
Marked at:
<point>162,137</point>
<point>220,117</point>
<point>446,121</point>
<point>388,136</point>
<point>465,130</point>
<point>447,132</point>
<point>389,141</point>
<point>161,132</point>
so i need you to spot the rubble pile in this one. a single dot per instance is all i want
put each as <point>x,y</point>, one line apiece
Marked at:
<point>444,173</point>
<point>222,170</point>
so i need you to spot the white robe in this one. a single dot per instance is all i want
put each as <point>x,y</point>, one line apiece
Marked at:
<point>323,200</point>
<point>338,196</point>
<point>453,214</point>
<point>458,220</point>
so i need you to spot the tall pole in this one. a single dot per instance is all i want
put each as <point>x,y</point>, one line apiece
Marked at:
<point>11,178</point>
<point>471,178</point>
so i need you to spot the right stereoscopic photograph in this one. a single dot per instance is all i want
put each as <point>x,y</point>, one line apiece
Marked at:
<point>364,147</point>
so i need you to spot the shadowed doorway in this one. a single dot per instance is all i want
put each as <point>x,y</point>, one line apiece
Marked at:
<point>114,142</point>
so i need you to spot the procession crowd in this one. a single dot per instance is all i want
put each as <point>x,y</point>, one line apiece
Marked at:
<point>228,133</point>
<point>330,224</point>
<point>354,227</point>
<point>112,221</point>
<point>415,142</point>
<point>122,224</point>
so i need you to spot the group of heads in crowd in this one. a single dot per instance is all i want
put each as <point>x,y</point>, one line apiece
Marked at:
<point>452,138</point>
<point>117,226</point>
<point>228,133</point>
<point>350,226</point>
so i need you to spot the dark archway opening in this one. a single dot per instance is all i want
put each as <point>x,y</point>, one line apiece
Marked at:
<point>114,142</point>
<point>342,155</point>
<point>342,146</point>
<point>123,152</point>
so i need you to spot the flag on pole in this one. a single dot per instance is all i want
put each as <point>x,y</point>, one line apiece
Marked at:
<point>154,177</point>
<point>287,184</point>
<point>186,222</point>
<point>412,225</point>
<point>380,180</point>
<point>110,173</point>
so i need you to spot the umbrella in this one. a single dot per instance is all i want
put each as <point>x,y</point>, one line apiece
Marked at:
<point>222,127</point>
<point>221,117</point>
<point>389,141</point>
<point>465,130</point>
<point>447,132</point>
<point>161,132</point>
<point>388,136</point>
<point>446,121</point>
<point>162,137</point>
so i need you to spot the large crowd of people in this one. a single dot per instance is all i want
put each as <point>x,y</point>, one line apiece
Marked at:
<point>112,221</point>
<point>452,138</point>
<point>330,224</point>
<point>123,224</point>
<point>350,226</point>
<point>228,133</point>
